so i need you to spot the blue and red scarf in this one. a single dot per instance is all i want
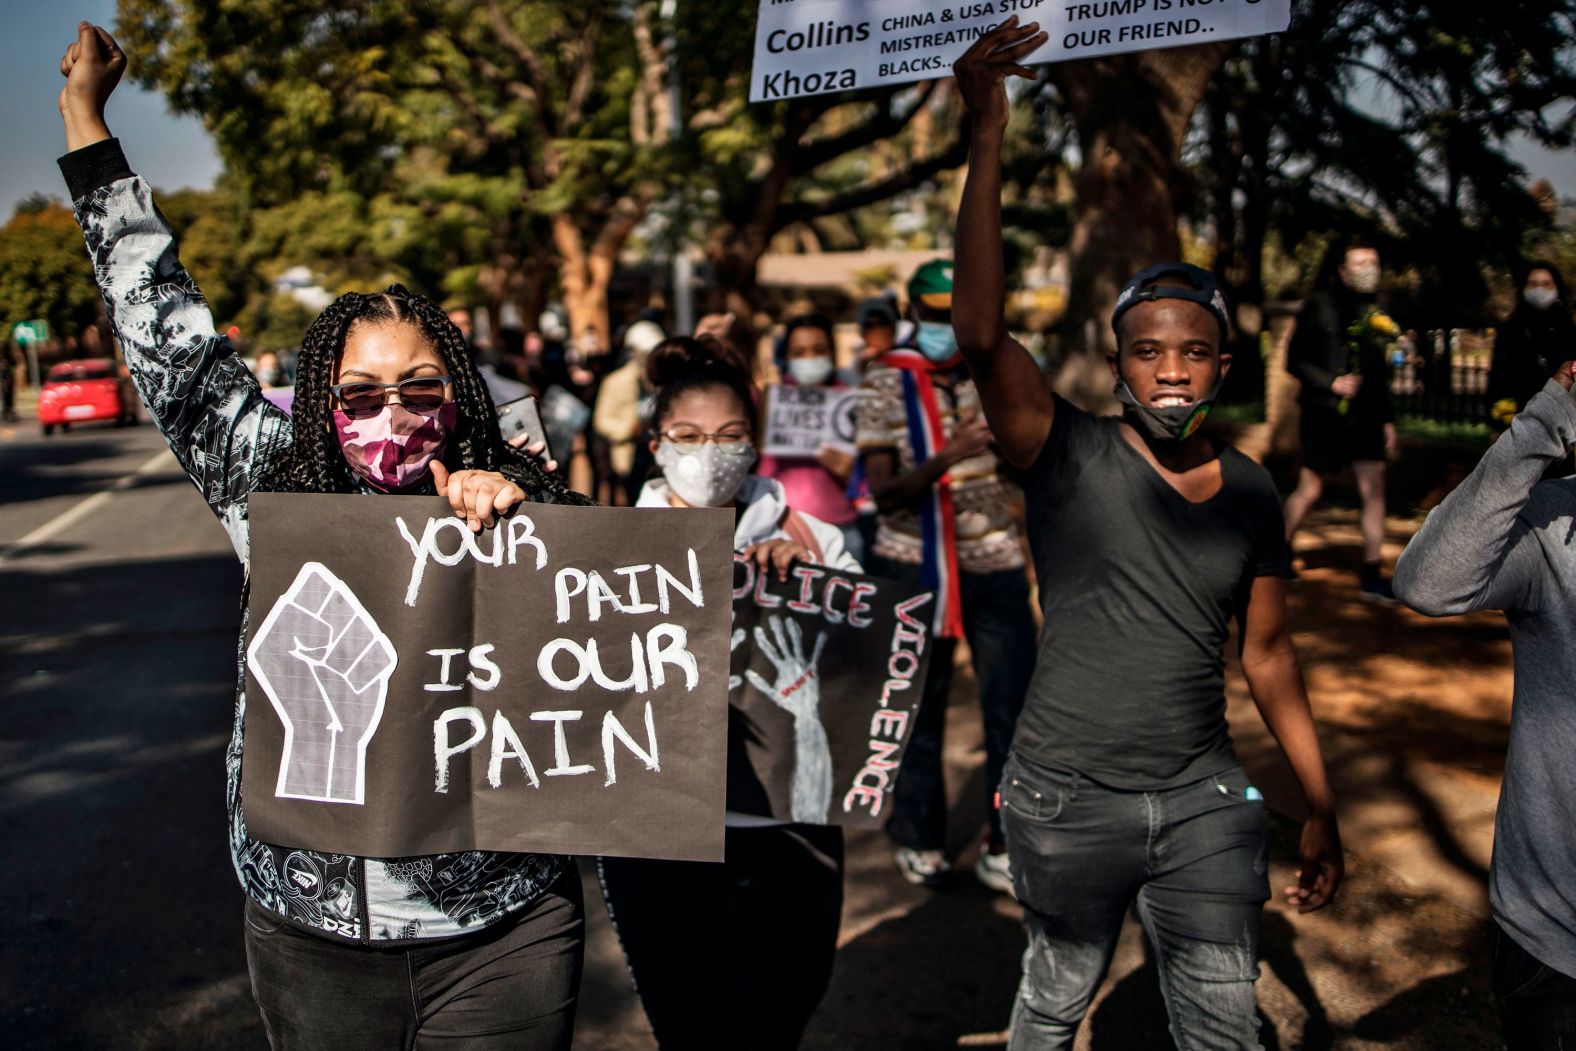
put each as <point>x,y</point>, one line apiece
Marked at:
<point>937,516</point>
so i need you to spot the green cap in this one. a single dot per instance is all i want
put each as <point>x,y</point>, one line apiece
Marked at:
<point>932,285</point>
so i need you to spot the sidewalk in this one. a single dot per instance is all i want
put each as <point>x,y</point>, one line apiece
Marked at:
<point>1414,715</point>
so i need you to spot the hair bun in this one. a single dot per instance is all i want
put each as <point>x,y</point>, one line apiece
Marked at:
<point>681,358</point>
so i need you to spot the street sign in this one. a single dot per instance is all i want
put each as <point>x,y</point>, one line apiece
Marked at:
<point>27,333</point>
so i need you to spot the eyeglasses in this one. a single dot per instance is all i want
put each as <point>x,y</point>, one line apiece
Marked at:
<point>735,441</point>
<point>419,394</point>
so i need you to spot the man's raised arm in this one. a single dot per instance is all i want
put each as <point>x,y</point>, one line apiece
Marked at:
<point>1017,400</point>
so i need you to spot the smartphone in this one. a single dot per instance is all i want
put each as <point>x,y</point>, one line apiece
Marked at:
<point>520,417</point>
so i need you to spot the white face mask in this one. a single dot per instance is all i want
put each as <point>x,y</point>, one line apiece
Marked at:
<point>707,477</point>
<point>811,372</point>
<point>1541,298</point>
<point>1364,280</point>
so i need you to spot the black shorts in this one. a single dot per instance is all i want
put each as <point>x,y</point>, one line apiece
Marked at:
<point>1331,440</point>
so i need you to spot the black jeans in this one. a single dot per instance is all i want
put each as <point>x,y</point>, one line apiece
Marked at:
<point>1193,857</point>
<point>1537,1004</point>
<point>999,624</point>
<point>736,956</point>
<point>512,985</point>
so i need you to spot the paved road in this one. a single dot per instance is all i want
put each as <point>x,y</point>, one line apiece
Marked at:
<point>117,643</point>
<point>118,614</point>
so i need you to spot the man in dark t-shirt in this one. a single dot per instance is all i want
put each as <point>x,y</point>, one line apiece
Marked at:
<point>1148,539</point>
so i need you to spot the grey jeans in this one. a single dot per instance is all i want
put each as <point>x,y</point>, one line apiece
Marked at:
<point>1193,857</point>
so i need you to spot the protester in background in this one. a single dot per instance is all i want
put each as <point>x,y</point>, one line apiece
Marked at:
<point>461,319</point>
<point>1501,541</point>
<point>1338,352</point>
<point>618,418</point>
<point>731,957</point>
<point>947,519</point>
<point>877,328</point>
<point>500,935</point>
<point>1149,538</point>
<point>1537,336</point>
<point>7,385</point>
<point>269,374</point>
<point>818,485</point>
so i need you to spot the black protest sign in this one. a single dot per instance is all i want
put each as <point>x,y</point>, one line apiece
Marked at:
<point>828,670</point>
<point>556,684</point>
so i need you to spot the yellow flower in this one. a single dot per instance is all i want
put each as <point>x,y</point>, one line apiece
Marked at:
<point>1384,324</point>
<point>1504,410</point>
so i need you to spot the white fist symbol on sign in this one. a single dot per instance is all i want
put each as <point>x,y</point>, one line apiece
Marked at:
<point>325,665</point>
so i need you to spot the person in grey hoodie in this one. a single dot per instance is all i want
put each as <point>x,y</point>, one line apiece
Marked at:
<point>1504,540</point>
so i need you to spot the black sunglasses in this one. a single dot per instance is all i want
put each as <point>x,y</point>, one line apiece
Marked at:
<point>419,394</point>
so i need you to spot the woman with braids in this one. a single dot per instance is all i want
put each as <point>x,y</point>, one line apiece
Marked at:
<point>468,950</point>
<point>735,957</point>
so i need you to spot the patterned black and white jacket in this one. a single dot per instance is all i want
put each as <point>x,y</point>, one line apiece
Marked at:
<point>212,412</point>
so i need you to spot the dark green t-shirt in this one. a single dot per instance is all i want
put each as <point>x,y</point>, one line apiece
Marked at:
<point>1139,588</point>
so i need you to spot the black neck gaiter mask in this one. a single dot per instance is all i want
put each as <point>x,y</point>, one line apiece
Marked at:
<point>1174,424</point>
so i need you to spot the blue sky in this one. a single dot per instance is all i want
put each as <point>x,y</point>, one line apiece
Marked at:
<point>175,152</point>
<point>172,152</point>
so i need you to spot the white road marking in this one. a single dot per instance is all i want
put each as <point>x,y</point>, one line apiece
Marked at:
<point>82,509</point>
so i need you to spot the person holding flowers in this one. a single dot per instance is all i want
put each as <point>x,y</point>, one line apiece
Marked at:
<point>1340,352</point>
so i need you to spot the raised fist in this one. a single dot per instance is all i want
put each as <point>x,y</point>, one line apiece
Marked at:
<point>325,666</point>
<point>797,689</point>
<point>92,66</point>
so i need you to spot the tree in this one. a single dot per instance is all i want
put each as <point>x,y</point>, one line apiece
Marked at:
<point>43,271</point>
<point>757,170</point>
<point>527,135</point>
<point>1130,115</point>
<point>1393,121</point>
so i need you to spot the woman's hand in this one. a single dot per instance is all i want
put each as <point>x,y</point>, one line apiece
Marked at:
<point>535,451</point>
<point>838,463</point>
<point>778,554</point>
<point>477,496</point>
<point>92,67</point>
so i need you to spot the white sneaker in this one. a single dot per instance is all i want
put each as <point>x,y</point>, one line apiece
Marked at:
<point>926,868</point>
<point>994,870</point>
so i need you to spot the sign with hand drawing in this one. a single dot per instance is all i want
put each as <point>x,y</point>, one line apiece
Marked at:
<point>828,670</point>
<point>555,684</point>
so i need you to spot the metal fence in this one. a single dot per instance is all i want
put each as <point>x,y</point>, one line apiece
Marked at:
<point>1443,375</point>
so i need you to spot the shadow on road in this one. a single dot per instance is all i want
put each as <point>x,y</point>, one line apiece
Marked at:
<point>39,470</point>
<point>122,913</point>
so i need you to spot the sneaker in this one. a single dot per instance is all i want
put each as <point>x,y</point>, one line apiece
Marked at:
<point>925,868</point>
<point>993,870</point>
<point>1376,591</point>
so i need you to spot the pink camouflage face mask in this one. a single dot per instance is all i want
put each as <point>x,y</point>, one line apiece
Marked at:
<point>393,448</point>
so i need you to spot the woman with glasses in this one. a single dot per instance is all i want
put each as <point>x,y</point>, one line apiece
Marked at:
<point>472,949</point>
<point>733,956</point>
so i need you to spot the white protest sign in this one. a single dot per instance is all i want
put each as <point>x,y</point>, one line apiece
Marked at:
<point>812,47</point>
<point>800,420</point>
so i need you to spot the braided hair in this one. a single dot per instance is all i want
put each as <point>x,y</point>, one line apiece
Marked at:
<point>314,463</point>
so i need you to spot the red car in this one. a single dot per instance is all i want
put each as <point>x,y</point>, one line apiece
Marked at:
<point>82,391</point>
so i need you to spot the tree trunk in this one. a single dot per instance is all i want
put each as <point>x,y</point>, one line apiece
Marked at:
<point>1130,113</point>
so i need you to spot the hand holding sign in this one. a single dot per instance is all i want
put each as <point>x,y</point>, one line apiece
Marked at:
<point>476,495</point>
<point>983,69</point>
<point>325,666</point>
<point>798,692</point>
